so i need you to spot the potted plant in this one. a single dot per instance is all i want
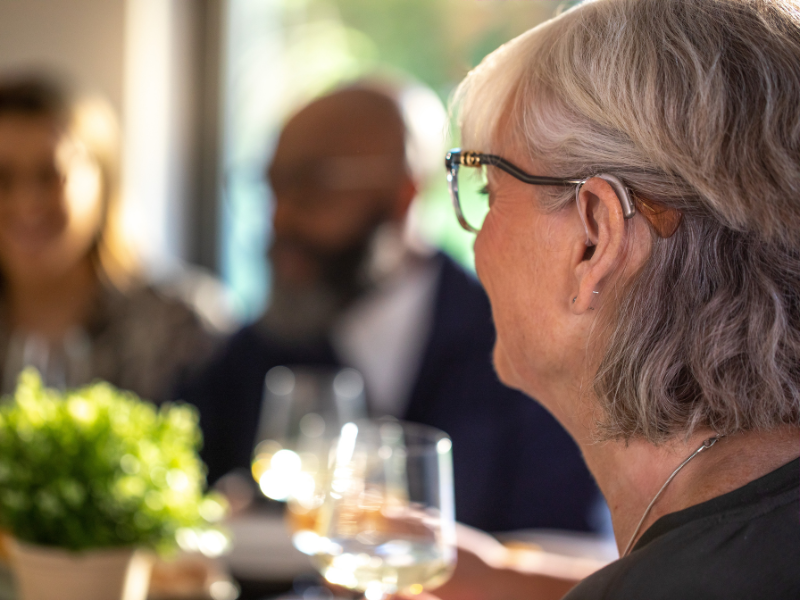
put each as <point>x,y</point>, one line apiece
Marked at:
<point>90,478</point>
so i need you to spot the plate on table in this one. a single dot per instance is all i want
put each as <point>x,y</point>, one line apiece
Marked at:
<point>191,577</point>
<point>262,547</point>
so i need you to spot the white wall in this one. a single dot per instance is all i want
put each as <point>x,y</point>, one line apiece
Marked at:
<point>142,55</point>
<point>82,38</point>
<point>153,168</point>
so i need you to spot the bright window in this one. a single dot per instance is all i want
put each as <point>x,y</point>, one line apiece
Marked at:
<point>280,53</point>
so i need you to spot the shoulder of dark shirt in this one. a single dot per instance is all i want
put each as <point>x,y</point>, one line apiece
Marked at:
<point>743,545</point>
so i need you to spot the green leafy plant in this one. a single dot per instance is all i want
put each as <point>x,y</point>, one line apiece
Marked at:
<point>97,467</point>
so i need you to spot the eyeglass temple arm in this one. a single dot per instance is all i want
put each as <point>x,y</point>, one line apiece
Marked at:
<point>469,158</point>
<point>515,171</point>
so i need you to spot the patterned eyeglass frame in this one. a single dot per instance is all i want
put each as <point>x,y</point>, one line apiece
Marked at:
<point>457,158</point>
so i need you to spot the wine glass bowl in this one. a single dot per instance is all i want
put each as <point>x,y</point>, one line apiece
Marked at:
<point>387,522</point>
<point>303,411</point>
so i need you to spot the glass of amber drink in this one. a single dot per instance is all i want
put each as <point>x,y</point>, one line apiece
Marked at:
<point>303,411</point>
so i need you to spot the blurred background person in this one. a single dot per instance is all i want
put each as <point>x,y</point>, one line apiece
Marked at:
<point>73,300</point>
<point>351,287</point>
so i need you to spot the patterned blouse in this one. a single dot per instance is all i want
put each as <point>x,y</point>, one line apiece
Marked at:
<point>144,340</point>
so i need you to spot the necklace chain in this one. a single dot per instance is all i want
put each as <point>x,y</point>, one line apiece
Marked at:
<point>704,446</point>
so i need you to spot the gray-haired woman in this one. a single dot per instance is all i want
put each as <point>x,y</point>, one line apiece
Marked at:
<point>642,256</point>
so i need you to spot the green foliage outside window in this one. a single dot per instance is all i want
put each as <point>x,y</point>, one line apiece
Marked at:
<point>285,52</point>
<point>435,41</point>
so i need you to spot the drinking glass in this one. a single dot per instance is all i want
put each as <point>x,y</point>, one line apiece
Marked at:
<point>303,411</point>
<point>387,522</point>
<point>63,364</point>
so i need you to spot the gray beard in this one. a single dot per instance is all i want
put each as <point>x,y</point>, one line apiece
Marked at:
<point>307,315</point>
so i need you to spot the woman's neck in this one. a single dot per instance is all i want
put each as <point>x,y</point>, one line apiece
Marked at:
<point>630,475</point>
<point>52,307</point>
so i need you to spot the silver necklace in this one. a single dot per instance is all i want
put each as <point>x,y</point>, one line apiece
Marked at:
<point>704,446</point>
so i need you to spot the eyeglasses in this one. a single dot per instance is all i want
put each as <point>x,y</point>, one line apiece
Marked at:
<point>472,207</point>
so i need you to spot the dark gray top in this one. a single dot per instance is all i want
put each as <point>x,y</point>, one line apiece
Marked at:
<point>742,545</point>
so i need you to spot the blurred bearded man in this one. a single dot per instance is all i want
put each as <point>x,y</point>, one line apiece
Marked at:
<point>350,289</point>
<point>342,191</point>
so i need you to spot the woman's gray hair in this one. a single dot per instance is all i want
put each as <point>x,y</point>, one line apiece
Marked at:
<point>695,104</point>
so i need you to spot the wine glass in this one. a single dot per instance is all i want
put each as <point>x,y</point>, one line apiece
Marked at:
<point>387,523</point>
<point>303,411</point>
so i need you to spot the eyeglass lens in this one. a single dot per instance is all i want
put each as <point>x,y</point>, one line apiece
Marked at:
<point>473,195</point>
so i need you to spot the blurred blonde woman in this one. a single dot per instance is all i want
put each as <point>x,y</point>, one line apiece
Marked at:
<point>73,302</point>
<point>642,257</point>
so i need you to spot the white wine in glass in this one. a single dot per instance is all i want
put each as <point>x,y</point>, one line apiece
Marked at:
<point>387,524</point>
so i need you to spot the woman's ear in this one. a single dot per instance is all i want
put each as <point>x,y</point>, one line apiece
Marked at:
<point>603,214</point>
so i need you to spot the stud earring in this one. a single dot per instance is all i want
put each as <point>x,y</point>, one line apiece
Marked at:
<point>573,300</point>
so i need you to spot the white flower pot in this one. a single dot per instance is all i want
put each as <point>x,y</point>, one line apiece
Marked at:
<point>47,573</point>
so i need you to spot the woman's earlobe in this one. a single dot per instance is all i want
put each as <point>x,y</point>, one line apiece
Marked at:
<point>594,292</point>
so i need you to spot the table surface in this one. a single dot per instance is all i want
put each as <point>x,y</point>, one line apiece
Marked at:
<point>265,564</point>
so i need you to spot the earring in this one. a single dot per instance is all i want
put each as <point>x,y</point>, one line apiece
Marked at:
<point>595,292</point>
<point>573,300</point>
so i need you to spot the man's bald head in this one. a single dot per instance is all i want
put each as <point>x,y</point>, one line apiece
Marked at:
<point>349,122</point>
<point>338,173</point>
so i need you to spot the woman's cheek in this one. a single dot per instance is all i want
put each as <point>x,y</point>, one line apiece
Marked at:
<point>488,251</point>
<point>497,278</point>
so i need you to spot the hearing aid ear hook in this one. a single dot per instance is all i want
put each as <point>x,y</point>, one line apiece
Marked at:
<point>620,189</point>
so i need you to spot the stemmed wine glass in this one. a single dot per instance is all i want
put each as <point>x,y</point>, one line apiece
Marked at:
<point>387,522</point>
<point>303,411</point>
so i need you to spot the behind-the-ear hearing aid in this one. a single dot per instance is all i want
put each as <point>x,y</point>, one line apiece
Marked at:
<point>620,189</point>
